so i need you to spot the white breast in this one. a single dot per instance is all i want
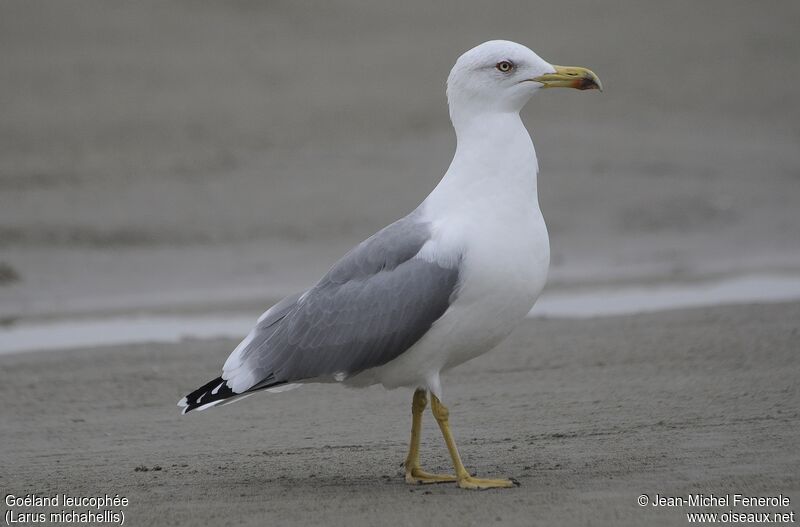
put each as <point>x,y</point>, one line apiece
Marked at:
<point>485,217</point>
<point>505,255</point>
<point>503,272</point>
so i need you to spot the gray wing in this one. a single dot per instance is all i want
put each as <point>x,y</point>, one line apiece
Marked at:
<point>373,305</point>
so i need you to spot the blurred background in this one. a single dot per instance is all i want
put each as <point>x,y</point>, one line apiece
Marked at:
<point>163,156</point>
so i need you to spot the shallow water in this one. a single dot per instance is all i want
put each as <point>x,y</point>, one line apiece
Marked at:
<point>596,302</point>
<point>608,301</point>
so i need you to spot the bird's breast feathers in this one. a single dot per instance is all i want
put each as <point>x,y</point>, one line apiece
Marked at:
<point>503,260</point>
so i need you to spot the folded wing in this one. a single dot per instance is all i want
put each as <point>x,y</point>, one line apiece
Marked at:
<point>373,305</point>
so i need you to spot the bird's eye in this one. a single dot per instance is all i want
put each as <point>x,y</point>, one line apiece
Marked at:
<point>505,66</point>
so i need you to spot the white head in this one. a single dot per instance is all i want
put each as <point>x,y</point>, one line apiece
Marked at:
<point>501,76</point>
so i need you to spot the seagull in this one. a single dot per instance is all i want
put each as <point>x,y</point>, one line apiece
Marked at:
<point>436,288</point>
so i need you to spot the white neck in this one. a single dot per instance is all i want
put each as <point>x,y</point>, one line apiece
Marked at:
<point>494,160</point>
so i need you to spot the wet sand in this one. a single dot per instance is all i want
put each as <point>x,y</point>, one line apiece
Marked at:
<point>587,415</point>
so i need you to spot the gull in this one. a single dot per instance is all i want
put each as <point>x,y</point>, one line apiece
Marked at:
<point>436,288</point>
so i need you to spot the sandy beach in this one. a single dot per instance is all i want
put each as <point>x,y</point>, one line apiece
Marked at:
<point>205,158</point>
<point>586,415</point>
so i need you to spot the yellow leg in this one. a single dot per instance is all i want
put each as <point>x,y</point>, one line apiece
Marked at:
<point>465,481</point>
<point>414,474</point>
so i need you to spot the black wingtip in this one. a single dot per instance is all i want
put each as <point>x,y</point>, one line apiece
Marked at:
<point>216,392</point>
<point>210,394</point>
